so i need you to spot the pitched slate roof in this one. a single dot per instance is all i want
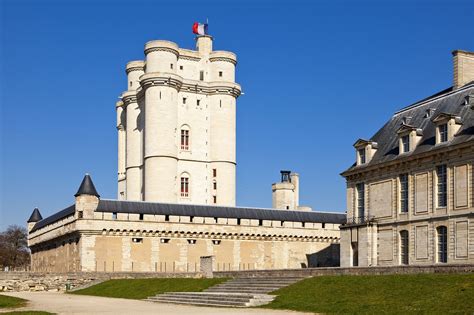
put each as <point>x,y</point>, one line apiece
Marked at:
<point>218,211</point>
<point>87,187</point>
<point>156,208</point>
<point>420,116</point>
<point>69,211</point>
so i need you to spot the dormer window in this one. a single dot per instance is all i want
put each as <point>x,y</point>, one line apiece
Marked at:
<point>365,150</point>
<point>408,136</point>
<point>443,132</point>
<point>447,125</point>
<point>362,156</point>
<point>406,143</point>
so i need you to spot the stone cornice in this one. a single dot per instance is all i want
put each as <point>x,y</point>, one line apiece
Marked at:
<point>166,49</point>
<point>161,79</point>
<point>224,59</point>
<point>128,70</point>
<point>213,88</point>
<point>129,97</point>
<point>191,58</point>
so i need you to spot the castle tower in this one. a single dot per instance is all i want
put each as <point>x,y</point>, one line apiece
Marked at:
<point>180,125</point>
<point>285,194</point>
<point>35,217</point>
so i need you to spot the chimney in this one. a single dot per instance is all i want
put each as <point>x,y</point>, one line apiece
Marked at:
<point>463,62</point>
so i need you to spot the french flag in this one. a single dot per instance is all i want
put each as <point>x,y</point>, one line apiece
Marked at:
<point>199,28</point>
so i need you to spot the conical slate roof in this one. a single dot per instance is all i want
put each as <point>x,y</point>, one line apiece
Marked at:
<point>87,187</point>
<point>35,216</point>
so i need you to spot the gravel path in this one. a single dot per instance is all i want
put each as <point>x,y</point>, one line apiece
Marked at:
<point>61,303</point>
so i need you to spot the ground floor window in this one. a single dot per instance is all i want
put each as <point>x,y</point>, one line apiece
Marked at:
<point>355,254</point>
<point>404,250</point>
<point>442,232</point>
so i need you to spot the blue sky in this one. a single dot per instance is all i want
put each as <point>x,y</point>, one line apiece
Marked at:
<point>317,75</point>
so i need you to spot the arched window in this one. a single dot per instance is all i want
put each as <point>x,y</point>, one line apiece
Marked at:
<point>184,185</point>
<point>185,138</point>
<point>404,249</point>
<point>442,232</point>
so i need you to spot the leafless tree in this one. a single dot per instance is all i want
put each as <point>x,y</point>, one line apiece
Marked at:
<point>14,252</point>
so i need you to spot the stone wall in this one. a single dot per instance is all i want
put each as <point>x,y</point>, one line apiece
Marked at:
<point>36,281</point>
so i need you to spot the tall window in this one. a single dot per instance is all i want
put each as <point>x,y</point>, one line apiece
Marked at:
<point>442,244</point>
<point>404,247</point>
<point>404,193</point>
<point>406,143</point>
<point>443,132</point>
<point>442,185</point>
<point>362,156</point>
<point>360,200</point>
<point>214,172</point>
<point>184,187</point>
<point>184,139</point>
<point>201,75</point>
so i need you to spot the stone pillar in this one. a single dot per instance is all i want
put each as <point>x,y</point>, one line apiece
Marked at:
<point>207,266</point>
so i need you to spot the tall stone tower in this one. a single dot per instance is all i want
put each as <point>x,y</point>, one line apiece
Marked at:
<point>176,125</point>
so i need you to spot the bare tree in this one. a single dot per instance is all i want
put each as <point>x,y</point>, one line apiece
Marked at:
<point>14,252</point>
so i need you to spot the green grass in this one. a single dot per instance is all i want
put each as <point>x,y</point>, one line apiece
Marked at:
<point>390,294</point>
<point>10,301</point>
<point>143,288</point>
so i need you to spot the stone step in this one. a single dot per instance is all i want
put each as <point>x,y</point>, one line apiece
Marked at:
<point>199,302</point>
<point>259,285</point>
<point>251,291</point>
<point>204,297</point>
<point>209,294</point>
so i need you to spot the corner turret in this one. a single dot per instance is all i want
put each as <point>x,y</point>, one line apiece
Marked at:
<point>34,217</point>
<point>87,199</point>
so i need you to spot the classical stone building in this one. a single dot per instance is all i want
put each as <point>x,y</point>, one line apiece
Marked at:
<point>410,194</point>
<point>176,126</point>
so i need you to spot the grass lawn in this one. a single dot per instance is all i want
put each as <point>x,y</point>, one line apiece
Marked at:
<point>392,294</point>
<point>9,301</point>
<point>143,288</point>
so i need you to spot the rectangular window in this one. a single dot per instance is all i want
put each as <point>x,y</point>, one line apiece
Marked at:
<point>403,193</point>
<point>443,133</point>
<point>184,100</point>
<point>360,200</point>
<point>184,139</point>
<point>114,215</point>
<point>220,73</point>
<point>137,240</point>
<point>442,185</point>
<point>141,217</point>
<point>201,75</point>
<point>171,66</point>
<point>214,199</point>
<point>80,215</point>
<point>180,67</point>
<point>214,172</point>
<point>167,218</point>
<point>406,144</point>
<point>164,240</point>
<point>404,252</point>
<point>442,244</point>
<point>184,187</point>
<point>214,185</point>
<point>198,102</point>
<point>362,156</point>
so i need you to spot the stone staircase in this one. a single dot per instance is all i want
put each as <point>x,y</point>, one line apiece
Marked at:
<point>238,292</point>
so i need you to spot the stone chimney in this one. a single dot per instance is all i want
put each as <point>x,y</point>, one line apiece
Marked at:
<point>463,62</point>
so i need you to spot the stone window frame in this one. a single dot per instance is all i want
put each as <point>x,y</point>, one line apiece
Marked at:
<point>185,138</point>
<point>185,185</point>
<point>404,255</point>
<point>404,201</point>
<point>443,186</point>
<point>360,196</point>
<point>442,255</point>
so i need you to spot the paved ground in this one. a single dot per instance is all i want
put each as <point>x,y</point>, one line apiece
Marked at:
<point>61,303</point>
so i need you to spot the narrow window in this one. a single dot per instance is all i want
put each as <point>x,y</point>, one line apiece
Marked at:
<point>238,221</point>
<point>214,185</point>
<point>442,244</point>
<point>260,222</point>
<point>184,187</point>
<point>404,247</point>
<point>220,73</point>
<point>171,66</point>
<point>303,224</point>
<point>443,133</point>
<point>214,172</point>
<point>141,217</point>
<point>130,83</point>
<point>360,201</point>
<point>362,156</point>
<point>191,219</point>
<point>80,215</point>
<point>184,139</point>
<point>323,225</point>
<point>355,254</point>
<point>215,220</point>
<point>406,144</point>
<point>114,215</point>
<point>180,67</point>
<point>184,100</point>
<point>214,199</point>
<point>201,75</point>
<point>404,193</point>
<point>442,185</point>
<point>167,218</point>
<point>198,102</point>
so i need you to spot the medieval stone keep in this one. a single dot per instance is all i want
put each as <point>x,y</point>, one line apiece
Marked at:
<point>410,194</point>
<point>176,184</point>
